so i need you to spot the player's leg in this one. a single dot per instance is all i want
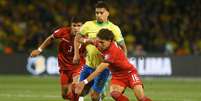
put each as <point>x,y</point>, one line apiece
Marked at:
<point>106,88</point>
<point>64,81</point>
<point>76,77</point>
<point>117,88</point>
<point>139,93</point>
<point>98,86</point>
<point>85,72</point>
<point>137,86</point>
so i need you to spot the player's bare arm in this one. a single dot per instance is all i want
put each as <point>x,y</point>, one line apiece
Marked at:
<point>77,43</point>
<point>40,49</point>
<point>79,39</point>
<point>99,69</point>
<point>123,46</point>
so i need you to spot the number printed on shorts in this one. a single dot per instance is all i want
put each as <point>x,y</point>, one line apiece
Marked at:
<point>135,77</point>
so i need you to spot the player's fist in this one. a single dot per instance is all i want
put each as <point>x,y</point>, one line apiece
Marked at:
<point>76,59</point>
<point>35,52</point>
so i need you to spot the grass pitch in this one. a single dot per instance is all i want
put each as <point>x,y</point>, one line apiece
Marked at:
<point>47,88</point>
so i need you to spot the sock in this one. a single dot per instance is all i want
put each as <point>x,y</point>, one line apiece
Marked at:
<point>100,99</point>
<point>76,97</point>
<point>69,96</point>
<point>118,96</point>
<point>81,98</point>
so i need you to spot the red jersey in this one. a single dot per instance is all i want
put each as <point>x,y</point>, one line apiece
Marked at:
<point>119,64</point>
<point>66,49</point>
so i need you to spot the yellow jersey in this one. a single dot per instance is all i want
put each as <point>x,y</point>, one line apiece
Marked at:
<point>90,29</point>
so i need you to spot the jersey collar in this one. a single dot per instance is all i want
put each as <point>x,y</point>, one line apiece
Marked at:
<point>102,24</point>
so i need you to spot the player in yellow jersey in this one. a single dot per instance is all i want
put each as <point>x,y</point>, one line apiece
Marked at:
<point>93,57</point>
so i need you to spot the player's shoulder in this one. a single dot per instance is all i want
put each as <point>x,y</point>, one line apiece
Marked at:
<point>62,29</point>
<point>91,22</point>
<point>114,26</point>
<point>113,48</point>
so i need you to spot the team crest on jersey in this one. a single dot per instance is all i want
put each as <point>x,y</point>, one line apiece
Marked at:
<point>107,56</point>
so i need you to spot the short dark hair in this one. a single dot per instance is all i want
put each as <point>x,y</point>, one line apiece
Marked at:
<point>105,34</point>
<point>102,4</point>
<point>76,19</point>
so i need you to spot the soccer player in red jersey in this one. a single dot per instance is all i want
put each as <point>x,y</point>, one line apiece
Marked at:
<point>69,72</point>
<point>124,74</point>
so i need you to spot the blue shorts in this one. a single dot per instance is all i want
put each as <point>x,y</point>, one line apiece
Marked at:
<point>99,82</point>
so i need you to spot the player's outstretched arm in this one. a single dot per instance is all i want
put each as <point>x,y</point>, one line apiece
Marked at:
<point>123,46</point>
<point>79,39</point>
<point>47,41</point>
<point>99,69</point>
<point>77,44</point>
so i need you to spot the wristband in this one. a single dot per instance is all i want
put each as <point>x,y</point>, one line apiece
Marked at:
<point>39,49</point>
<point>85,81</point>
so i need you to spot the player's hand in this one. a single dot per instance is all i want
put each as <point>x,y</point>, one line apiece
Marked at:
<point>79,88</point>
<point>35,53</point>
<point>76,59</point>
<point>87,40</point>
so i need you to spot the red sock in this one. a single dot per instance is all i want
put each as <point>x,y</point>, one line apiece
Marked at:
<point>76,97</point>
<point>118,96</point>
<point>69,96</point>
<point>145,99</point>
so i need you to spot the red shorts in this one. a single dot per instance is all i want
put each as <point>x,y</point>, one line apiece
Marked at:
<point>129,79</point>
<point>66,76</point>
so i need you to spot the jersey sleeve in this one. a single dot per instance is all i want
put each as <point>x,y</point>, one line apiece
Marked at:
<point>61,32</point>
<point>85,28</point>
<point>117,34</point>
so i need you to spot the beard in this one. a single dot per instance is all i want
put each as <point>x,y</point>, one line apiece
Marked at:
<point>99,20</point>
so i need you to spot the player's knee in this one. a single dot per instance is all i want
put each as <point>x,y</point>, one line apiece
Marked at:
<point>115,94</point>
<point>95,96</point>
<point>68,96</point>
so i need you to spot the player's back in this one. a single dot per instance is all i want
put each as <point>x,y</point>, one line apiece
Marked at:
<point>117,59</point>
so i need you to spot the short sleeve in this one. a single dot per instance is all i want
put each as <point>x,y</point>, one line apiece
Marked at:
<point>117,33</point>
<point>61,32</point>
<point>85,28</point>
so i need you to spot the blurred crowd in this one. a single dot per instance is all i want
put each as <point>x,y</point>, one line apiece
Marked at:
<point>169,27</point>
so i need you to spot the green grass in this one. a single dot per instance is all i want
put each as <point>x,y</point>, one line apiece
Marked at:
<point>47,88</point>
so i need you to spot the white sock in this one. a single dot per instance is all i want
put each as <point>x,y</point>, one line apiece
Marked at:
<point>81,98</point>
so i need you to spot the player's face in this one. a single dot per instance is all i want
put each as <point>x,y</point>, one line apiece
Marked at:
<point>75,27</point>
<point>101,14</point>
<point>103,44</point>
